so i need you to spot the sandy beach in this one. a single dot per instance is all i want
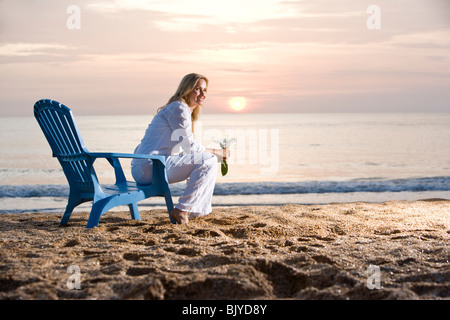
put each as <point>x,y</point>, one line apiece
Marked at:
<point>392,250</point>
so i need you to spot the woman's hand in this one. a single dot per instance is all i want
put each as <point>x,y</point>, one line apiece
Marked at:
<point>225,153</point>
<point>221,154</point>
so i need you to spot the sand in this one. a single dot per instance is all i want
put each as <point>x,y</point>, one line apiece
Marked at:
<point>392,250</point>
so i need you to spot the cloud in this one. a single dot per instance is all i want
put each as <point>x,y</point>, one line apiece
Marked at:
<point>188,16</point>
<point>31,49</point>
<point>264,49</point>
<point>217,11</point>
<point>435,39</point>
<point>44,53</point>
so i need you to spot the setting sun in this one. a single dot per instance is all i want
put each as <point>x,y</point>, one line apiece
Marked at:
<point>238,103</point>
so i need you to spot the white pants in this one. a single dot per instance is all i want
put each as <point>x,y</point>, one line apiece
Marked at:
<point>199,169</point>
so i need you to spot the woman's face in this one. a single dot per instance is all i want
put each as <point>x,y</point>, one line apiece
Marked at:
<point>198,95</point>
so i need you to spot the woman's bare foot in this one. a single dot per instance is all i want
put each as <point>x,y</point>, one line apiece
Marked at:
<point>180,217</point>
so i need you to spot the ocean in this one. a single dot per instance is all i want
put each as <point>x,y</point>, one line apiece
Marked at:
<point>278,158</point>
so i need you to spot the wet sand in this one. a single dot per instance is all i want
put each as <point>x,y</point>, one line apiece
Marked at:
<point>392,250</point>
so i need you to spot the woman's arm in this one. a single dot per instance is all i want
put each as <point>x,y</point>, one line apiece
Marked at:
<point>179,118</point>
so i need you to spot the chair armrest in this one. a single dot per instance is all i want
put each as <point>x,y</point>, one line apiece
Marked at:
<point>126,155</point>
<point>113,159</point>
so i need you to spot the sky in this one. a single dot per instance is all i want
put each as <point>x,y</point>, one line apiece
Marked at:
<point>113,57</point>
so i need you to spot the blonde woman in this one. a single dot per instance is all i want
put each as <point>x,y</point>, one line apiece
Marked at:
<point>185,160</point>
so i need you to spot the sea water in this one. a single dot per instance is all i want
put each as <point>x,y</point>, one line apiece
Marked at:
<point>278,158</point>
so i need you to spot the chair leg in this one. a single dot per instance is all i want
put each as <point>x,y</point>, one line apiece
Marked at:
<point>134,210</point>
<point>66,216</point>
<point>169,204</point>
<point>98,209</point>
<point>73,202</point>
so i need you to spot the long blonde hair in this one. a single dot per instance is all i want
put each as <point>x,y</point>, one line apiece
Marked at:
<point>186,86</point>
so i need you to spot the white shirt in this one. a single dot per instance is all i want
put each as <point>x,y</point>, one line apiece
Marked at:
<point>169,133</point>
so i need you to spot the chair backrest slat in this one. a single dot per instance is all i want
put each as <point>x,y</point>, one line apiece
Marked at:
<point>58,126</point>
<point>48,127</point>
<point>73,143</point>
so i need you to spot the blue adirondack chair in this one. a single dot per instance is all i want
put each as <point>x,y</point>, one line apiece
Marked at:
<point>58,125</point>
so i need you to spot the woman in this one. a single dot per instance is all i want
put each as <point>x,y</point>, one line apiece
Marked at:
<point>185,160</point>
